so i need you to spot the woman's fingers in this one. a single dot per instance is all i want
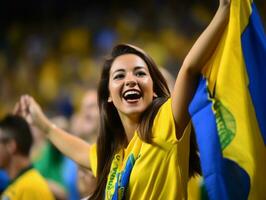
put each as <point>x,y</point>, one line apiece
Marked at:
<point>17,109</point>
<point>22,108</point>
<point>29,109</point>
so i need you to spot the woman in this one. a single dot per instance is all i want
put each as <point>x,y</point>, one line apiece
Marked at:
<point>143,144</point>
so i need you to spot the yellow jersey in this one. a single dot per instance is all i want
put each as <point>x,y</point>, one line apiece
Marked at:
<point>29,185</point>
<point>161,169</point>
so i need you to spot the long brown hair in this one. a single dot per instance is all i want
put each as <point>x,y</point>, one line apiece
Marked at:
<point>112,135</point>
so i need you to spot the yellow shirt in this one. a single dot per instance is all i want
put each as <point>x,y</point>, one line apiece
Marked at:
<point>28,186</point>
<point>161,170</point>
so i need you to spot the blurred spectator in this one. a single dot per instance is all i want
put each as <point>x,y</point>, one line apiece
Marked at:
<point>15,141</point>
<point>59,171</point>
<point>85,125</point>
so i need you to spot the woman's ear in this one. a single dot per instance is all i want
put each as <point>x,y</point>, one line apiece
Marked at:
<point>155,95</point>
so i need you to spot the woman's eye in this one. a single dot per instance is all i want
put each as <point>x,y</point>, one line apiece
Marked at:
<point>119,76</point>
<point>140,73</point>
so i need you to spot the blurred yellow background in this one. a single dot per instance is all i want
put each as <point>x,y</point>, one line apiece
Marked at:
<point>54,49</point>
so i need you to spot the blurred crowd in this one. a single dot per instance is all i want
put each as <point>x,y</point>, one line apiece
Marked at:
<point>64,178</point>
<point>53,50</point>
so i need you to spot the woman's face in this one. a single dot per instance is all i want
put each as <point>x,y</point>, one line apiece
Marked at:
<point>130,85</point>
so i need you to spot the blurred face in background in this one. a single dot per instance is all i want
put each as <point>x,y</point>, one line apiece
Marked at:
<point>90,112</point>
<point>5,154</point>
<point>85,123</point>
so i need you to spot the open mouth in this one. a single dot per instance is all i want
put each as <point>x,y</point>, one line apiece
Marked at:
<point>132,95</point>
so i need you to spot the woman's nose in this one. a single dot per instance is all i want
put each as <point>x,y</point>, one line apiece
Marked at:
<point>130,81</point>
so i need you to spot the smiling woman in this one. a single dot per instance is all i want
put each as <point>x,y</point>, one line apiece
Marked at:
<point>139,125</point>
<point>144,150</point>
<point>130,71</point>
<point>130,86</point>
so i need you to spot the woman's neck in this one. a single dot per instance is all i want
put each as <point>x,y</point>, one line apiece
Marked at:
<point>130,125</point>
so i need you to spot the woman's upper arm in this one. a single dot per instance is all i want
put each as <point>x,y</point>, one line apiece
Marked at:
<point>182,95</point>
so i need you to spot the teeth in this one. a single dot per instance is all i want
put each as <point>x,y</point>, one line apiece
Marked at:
<point>131,93</point>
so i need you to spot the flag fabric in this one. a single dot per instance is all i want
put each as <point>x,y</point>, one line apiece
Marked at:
<point>229,110</point>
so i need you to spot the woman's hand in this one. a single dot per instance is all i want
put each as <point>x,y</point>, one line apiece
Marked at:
<point>28,108</point>
<point>224,6</point>
<point>224,2</point>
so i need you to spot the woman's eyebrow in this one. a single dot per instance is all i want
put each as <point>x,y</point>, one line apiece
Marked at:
<point>117,70</point>
<point>140,67</point>
<point>123,70</point>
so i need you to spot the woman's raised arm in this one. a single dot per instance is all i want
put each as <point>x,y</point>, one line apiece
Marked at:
<point>69,145</point>
<point>187,79</point>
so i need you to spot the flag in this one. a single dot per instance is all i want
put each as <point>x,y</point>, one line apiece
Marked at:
<point>229,110</point>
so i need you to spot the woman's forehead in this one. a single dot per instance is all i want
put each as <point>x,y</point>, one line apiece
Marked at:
<point>128,61</point>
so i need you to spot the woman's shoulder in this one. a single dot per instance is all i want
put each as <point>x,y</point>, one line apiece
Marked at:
<point>164,126</point>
